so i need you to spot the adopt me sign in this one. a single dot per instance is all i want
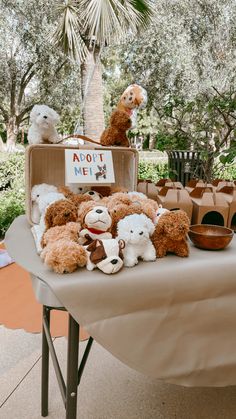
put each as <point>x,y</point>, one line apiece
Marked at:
<point>89,166</point>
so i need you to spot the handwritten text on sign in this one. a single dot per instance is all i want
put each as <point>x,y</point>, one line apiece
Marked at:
<point>89,166</point>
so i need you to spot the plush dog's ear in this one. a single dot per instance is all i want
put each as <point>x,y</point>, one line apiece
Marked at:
<point>121,247</point>
<point>150,226</point>
<point>121,244</point>
<point>35,110</point>
<point>55,116</point>
<point>92,246</point>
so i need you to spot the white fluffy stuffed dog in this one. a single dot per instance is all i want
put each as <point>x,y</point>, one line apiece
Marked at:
<point>43,120</point>
<point>136,230</point>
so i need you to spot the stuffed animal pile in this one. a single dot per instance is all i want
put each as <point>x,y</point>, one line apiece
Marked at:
<point>87,229</point>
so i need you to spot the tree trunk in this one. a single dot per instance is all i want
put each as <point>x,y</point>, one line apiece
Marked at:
<point>92,96</point>
<point>152,141</point>
<point>208,172</point>
<point>12,131</point>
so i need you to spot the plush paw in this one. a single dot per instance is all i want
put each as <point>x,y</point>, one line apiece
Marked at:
<point>150,255</point>
<point>130,262</point>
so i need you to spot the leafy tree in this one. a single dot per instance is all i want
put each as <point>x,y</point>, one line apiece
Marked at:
<point>31,69</point>
<point>87,26</point>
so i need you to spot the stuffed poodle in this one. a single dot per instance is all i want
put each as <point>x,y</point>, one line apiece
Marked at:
<point>43,120</point>
<point>64,256</point>
<point>69,231</point>
<point>60,213</point>
<point>37,192</point>
<point>115,134</point>
<point>61,251</point>
<point>170,234</point>
<point>136,230</point>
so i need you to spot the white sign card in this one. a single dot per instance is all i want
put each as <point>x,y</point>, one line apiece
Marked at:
<point>89,166</point>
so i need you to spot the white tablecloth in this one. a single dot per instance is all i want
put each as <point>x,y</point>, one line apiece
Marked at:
<point>173,319</point>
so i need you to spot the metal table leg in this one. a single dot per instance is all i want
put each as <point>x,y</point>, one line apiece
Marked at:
<point>72,368</point>
<point>45,365</point>
<point>74,374</point>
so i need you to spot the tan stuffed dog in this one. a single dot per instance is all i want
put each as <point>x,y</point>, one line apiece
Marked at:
<point>170,235</point>
<point>133,98</point>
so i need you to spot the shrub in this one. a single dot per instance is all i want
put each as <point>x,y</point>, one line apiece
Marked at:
<point>12,190</point>
<point>153,171</point>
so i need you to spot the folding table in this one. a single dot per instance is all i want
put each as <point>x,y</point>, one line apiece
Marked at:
<point>173,319</point>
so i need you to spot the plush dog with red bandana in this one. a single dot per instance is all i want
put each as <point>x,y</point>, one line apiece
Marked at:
<point>95,221</point>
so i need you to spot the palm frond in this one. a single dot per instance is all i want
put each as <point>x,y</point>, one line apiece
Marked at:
<point>68,33</point>
<point>111,20</point>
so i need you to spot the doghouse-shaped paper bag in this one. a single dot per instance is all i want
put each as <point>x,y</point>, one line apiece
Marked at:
<point>232,212</point>
<point>229,194</point>
<point>148,188</point>
<point>175,198</point>
<point>211,208</point>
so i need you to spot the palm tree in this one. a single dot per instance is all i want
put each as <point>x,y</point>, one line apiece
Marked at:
<point>87,26</point>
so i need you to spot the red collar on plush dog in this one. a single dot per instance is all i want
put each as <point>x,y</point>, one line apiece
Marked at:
<point>95,231</point>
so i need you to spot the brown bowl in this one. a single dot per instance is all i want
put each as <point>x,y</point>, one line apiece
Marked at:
<point>210,237</point>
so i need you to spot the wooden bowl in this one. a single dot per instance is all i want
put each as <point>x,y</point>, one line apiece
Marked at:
<point>210,237</point>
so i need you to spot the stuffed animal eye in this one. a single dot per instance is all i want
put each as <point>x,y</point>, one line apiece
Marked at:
<point>131,231</point>
<point>37,196</point>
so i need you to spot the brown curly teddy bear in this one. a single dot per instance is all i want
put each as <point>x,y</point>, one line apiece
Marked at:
<point>59,213</point>
<point>68,231</point>
<point>61,252</point>
<point>64,256</point>
<point>115,134</point>
<point>170,235</point>
<point>77,199</point>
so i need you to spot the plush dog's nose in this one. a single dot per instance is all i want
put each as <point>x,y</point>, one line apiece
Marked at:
<point>99,211</point>
<point>45,116</point>
<point>91,193</point>
<point>66,214</point>
<point>141,232</point>
<point>114,261</point>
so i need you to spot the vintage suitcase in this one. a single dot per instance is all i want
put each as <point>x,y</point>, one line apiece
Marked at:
<point>45,163</point>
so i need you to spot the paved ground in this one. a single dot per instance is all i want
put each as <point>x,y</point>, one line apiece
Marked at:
<point>109,389</point>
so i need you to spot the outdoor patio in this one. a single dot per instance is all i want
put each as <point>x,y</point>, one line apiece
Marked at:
<point>109,389</point>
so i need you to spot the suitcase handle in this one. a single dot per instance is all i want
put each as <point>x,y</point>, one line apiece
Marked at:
<point>82,137</point>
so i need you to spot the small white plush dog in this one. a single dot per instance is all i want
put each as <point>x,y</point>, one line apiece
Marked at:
<point>36,192</point>
<point>136,230</point>
<point>43,120</point>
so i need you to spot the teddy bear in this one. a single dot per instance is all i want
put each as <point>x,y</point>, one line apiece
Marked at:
<point>95,222</point>
<point>76,198</point>
<point>64,256</point>
<point>59,213</point>
<point>106,255</point>
<point>133,98</point>
<point>61,251</point>
<point>68,231</point>
<point>170,235</point>
<point>136,230</point>
<point>115,134</point>
<point>43,120</point>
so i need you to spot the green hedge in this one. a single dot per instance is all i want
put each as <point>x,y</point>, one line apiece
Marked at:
<point>12,189</point>
<point>152,171</point>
